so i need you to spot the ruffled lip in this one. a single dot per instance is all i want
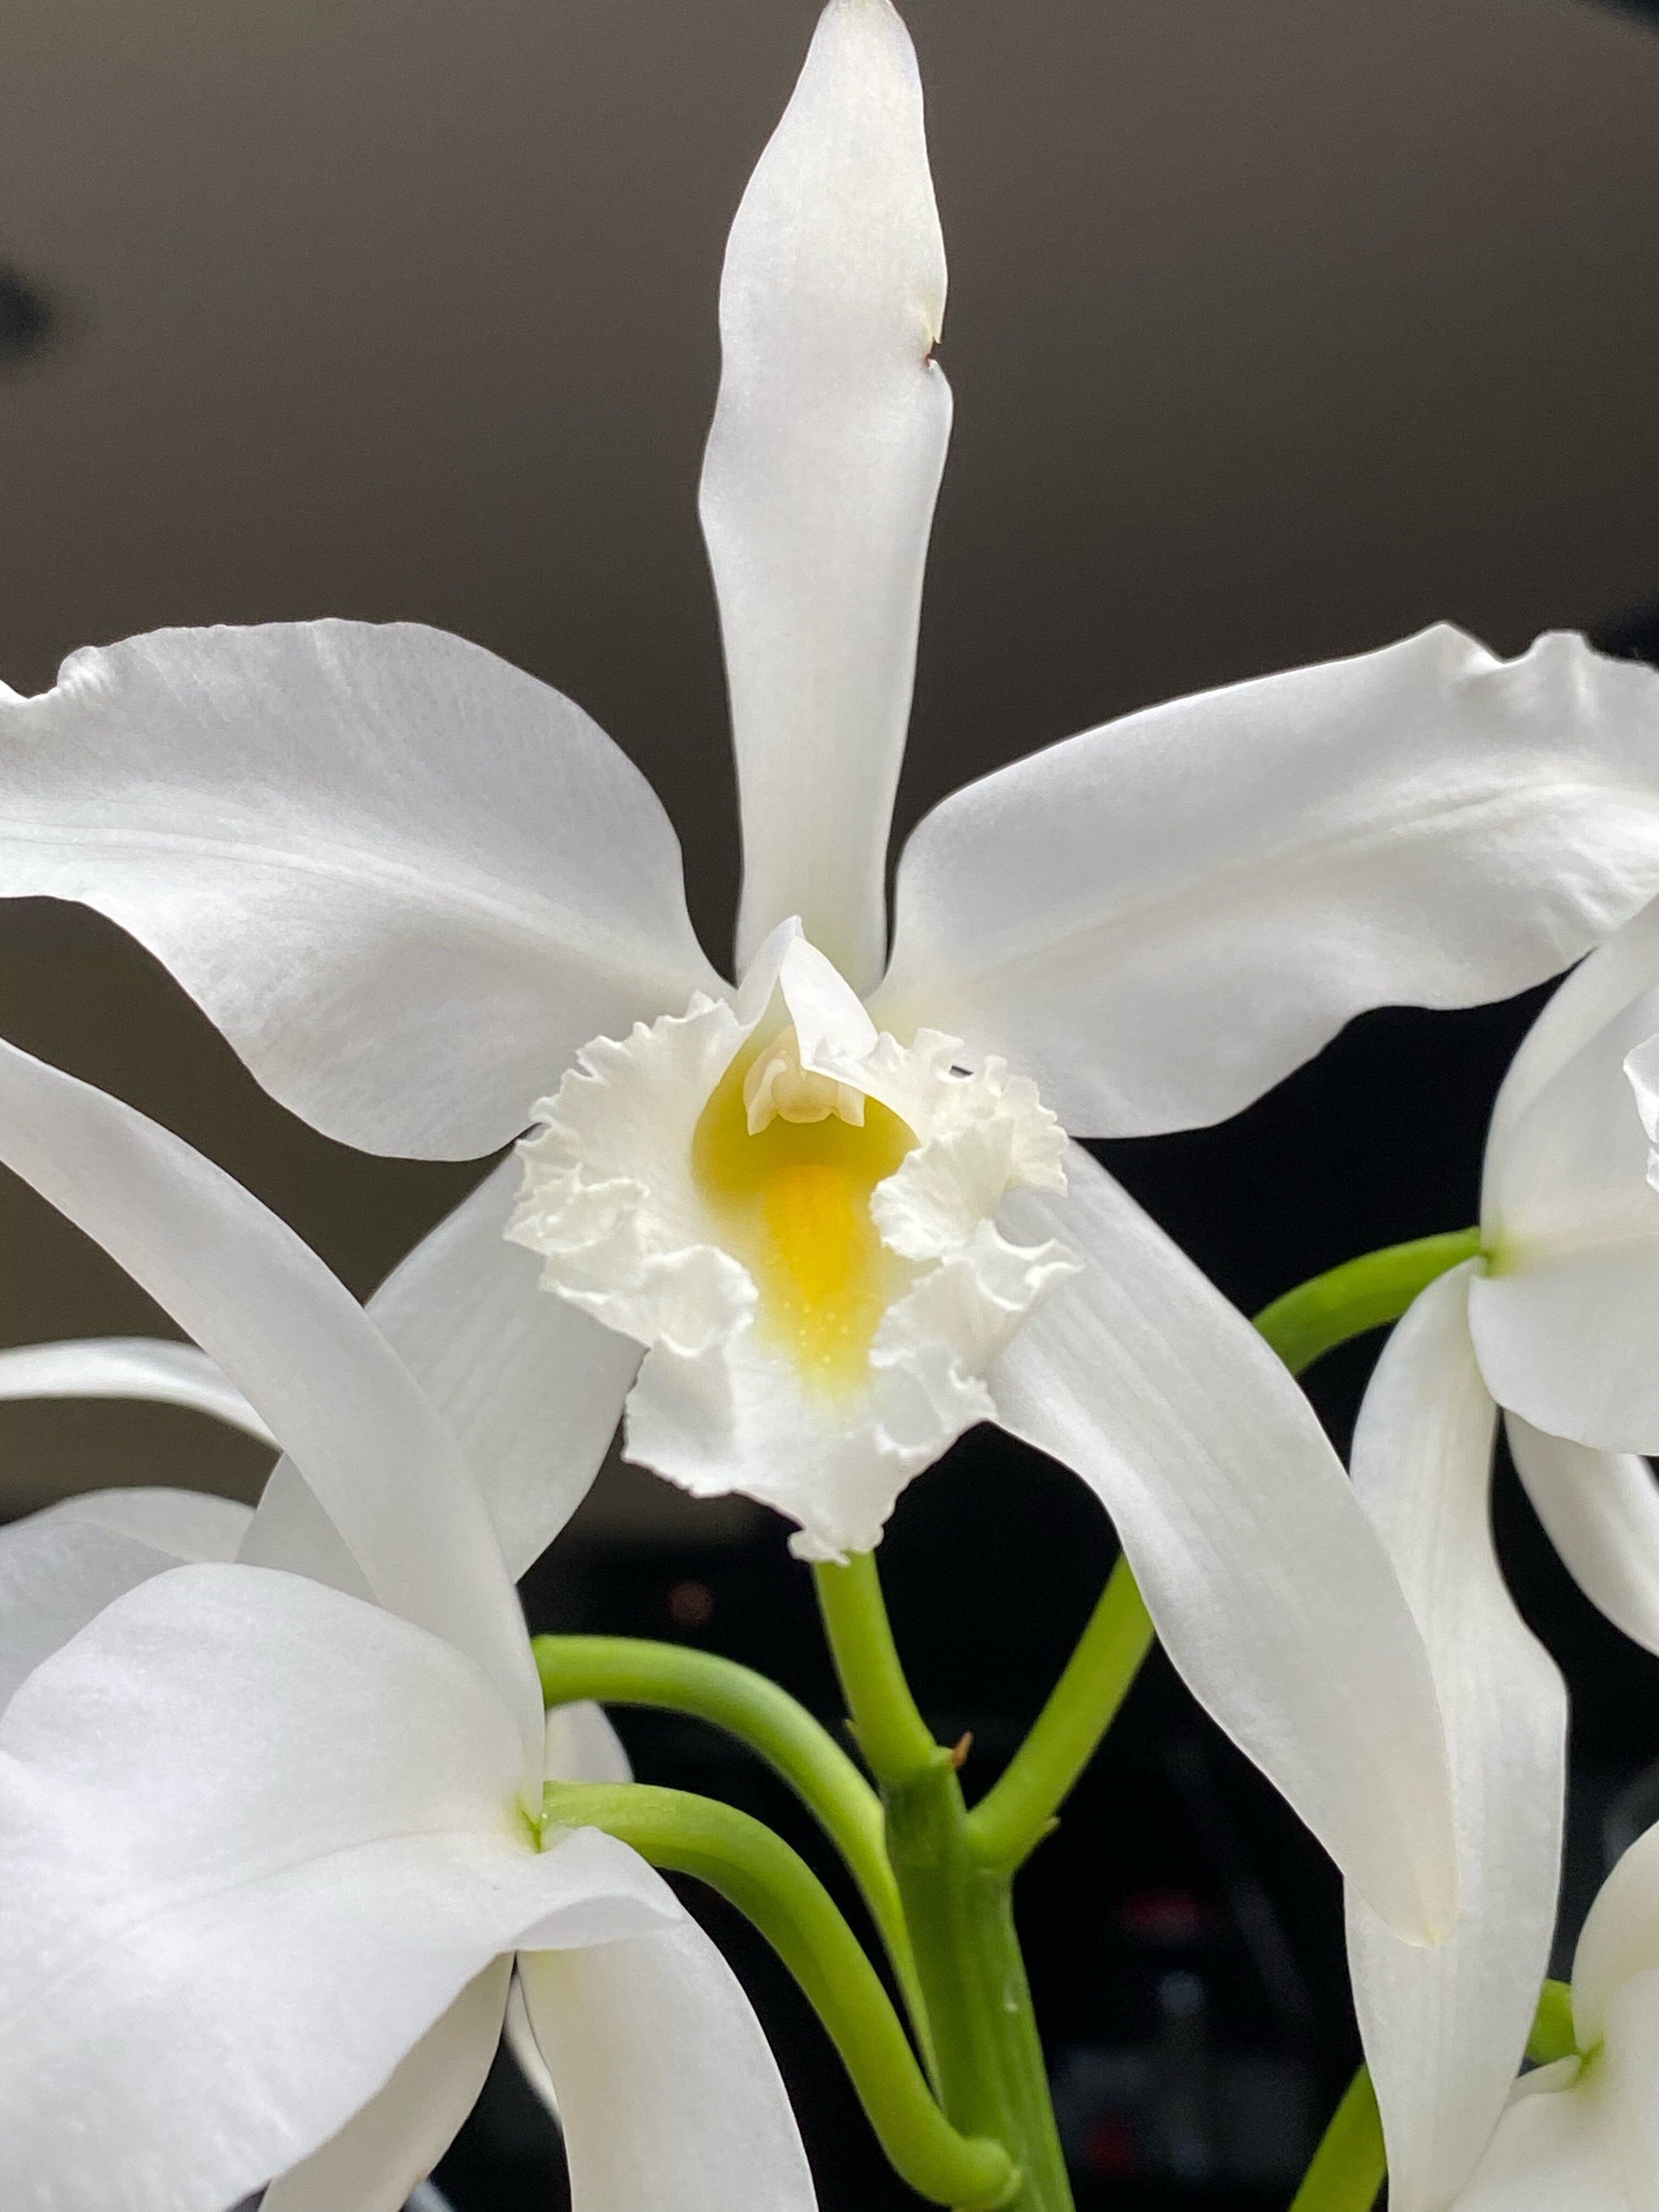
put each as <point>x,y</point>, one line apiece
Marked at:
<point>610,1202</point>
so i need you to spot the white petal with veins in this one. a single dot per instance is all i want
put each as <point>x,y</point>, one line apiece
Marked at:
<point>1162,917</point>
<point>404,878</point>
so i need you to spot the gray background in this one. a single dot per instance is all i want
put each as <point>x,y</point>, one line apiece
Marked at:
<point>1276,328</point>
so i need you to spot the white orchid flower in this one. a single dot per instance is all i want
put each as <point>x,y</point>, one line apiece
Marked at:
<point>1554,1324</point>
<point>1582,2134</point>
<point>419,890</point>
<point>269,1850</point>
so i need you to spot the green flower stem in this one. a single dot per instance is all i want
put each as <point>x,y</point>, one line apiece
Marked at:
<point>897,1742</point>
<point>1361,1294</point>
<point>991,2076</point>
<point>988,2059</point>
<point>1015,1815</point>
<point>1019,1810</point>
<point>1349,2165</point>
<point>624,1670</point>
<point>774,1888</point>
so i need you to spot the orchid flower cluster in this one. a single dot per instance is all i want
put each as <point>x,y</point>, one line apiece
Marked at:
<point>294,1815</point>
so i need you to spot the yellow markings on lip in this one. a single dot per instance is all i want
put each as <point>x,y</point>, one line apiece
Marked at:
<point>794,1207</point>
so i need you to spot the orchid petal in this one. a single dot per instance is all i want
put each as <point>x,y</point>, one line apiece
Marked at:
<point>583,1746</point>
<point>255,1837</point>
<point>1159,919</point>
<point>1619,1938</point>
<point>1551,2153</point>
<point>1269,1590</point>
<point>60,1567</point>
<point>520,2039</point>
<point>1445,2026</point>
<point>531,1387</point>
<point>1563,1322</point>
<point>264,1306</point>
<point>1622,971</point>
<point>818,485</point>
<point>667,2093</point>
<point>399,2135</point>
<point>1628,2065</point>
<point>142,1367</point>
<point>407,880</point>
<point>1601,1511</point>
<point>291,1532</point>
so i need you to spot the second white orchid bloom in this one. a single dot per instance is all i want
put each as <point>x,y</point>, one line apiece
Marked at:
<point>1554,1325</point>
<point>270,1835</point>
<point>415,888</point>
<point>1582,2134</point>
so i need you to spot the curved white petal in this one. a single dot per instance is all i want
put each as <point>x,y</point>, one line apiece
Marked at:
<point>1161,918</point>
<point>399,2135</point>
<point>1269,1589</point>
<point>290,1531</point>
<point>583,1746</point>
<point>1601,1511</point>
<point>142,1367</point>
<point>1628,2063</point>
<point>668,2094</point>
<point>255,1837</point>
<point>520,2039</point>
<point>1445,2026</point>
<point>404,878</point>
<point>264,1306</point>
<point>1622,969</point>
<point>531,1387</point>
<point>59,1568</point>
<point>822,465</point>
<point>1567,1321</point>
<point>1619,1938</point>
<point>1554,2151</point>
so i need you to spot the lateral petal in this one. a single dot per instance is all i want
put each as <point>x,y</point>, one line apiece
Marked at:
<point>1563,1318</point>
<point>818,484</point>
<point>1622,971</point>
<point>142,1367</point>
<point>403,2131</point>
<point>1269,1589</point>
<point>1159,919</point>
<point>531,1387</point>
<point>667,2092</point>
<point>1601,1511</point>
<point>1627,2063</point>
<point>405,879</point>
<point>60,1567</point>
<point>1445,2026</point>
<point>1553,2151</point>
<point>264,1306</point>
<point>1619,1938</point>
<point>255,1837</point>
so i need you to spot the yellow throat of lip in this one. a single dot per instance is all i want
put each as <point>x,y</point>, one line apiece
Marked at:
<point>793,1202</point>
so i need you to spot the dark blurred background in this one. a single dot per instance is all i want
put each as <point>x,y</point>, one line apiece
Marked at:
<point>1276,329</point>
